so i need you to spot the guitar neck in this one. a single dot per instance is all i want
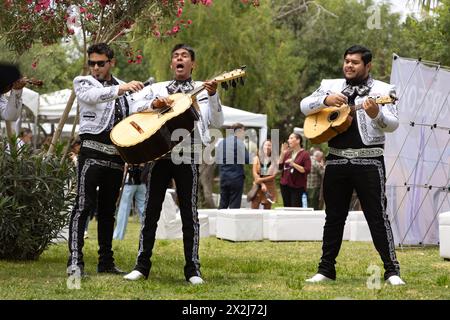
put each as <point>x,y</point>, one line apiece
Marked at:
<point>356,108</point>
<point>382,100</point>
<point>196,91</point>
<point>227,76</point>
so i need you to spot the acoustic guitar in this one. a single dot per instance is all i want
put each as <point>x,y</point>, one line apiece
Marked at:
<point>329,122</point>
<point>147,136</point>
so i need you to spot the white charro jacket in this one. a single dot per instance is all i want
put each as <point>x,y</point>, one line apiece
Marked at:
<point>371,130</point>
<point>210,107</point>
<point>10,105</point>
<point>96,103</point>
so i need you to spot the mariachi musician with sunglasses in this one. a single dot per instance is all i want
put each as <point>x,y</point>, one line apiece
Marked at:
<point>100,167</point>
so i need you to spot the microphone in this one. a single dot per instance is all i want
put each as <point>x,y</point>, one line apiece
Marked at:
<point>148,82</point>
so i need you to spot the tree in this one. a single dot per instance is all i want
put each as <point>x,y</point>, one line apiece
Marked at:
<point>425,5</point>
<point>429,37</point>
<point>25,22</point>
<point>226,36</point>
<point>229,35</point>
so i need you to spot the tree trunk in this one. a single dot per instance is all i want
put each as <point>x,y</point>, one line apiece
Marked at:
<point>61,123</point>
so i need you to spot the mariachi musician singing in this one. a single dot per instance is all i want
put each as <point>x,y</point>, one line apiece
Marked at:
<point>186,173</point>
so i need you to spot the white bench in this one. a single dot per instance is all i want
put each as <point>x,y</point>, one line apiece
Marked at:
<point>212,218</point>
<point>170,225</point>
<point>358,227</point>
<point>239,225</point>
<point>294,209</point>
<point>296,226</point>
<point>444,235</point>
<point>173,229</point>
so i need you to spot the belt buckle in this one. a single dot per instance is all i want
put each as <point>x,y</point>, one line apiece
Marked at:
<point>348,153</point>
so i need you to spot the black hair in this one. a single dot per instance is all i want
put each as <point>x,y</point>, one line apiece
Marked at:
<point>366,54</point>
<point>237,126</point>
<point>186,47</point>
<point>101,48</point>
<point>9,74</point>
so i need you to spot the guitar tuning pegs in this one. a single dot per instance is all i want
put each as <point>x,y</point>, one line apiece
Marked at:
<point>241,80</point>
<point>224,85</point>
<point>233,83</point>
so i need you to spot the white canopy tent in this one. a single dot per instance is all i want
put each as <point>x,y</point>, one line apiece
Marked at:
<point>49,108</point>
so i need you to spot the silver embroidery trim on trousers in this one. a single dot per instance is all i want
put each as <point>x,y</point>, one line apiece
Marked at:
<point>357,153</point>
<point>104,148</point>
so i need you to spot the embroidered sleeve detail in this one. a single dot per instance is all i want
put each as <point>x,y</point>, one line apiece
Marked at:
<point>109,95</point>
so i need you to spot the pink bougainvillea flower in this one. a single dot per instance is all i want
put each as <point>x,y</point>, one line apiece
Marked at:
<point>180,11</point>
<point>175,29</point>
<point>207,2</point>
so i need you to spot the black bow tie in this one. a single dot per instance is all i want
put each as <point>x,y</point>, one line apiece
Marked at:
<point>183,86</point>
<point>107,83</point>
<point>354,89</point>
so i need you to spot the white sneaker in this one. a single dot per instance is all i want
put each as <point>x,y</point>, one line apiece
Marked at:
<point>196,280</point>
<point>134,275</point>
<point>318,278</point>
<point>395,281</point>
<point>86,235</point>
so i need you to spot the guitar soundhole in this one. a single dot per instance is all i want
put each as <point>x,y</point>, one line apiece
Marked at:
<point>333,116</point>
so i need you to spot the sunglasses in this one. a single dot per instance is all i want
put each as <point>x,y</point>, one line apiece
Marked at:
<point>101,64</point>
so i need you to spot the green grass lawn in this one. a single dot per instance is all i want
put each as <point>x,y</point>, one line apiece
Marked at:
<point>247,270</point>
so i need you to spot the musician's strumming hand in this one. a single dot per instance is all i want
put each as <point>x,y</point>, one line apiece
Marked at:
<point>211,87</point>
<point>335,100</point>
<point>161,102</point>
<point>132,86</point>
<point>371,107</point>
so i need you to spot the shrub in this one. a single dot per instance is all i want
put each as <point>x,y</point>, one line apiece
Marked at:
<point>35,196</point>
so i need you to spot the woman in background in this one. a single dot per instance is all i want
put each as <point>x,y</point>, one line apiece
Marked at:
<point>295,164</point>
<point>264,172</point>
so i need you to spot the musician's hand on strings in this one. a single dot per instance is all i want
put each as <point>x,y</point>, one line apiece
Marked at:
<point>335,100</point>
<point>132,86</point>
<point>211,87</point>
<point>161,102</point>
<point>371,107</point>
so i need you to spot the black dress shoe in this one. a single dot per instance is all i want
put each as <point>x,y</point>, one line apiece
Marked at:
<point>111,269</point>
